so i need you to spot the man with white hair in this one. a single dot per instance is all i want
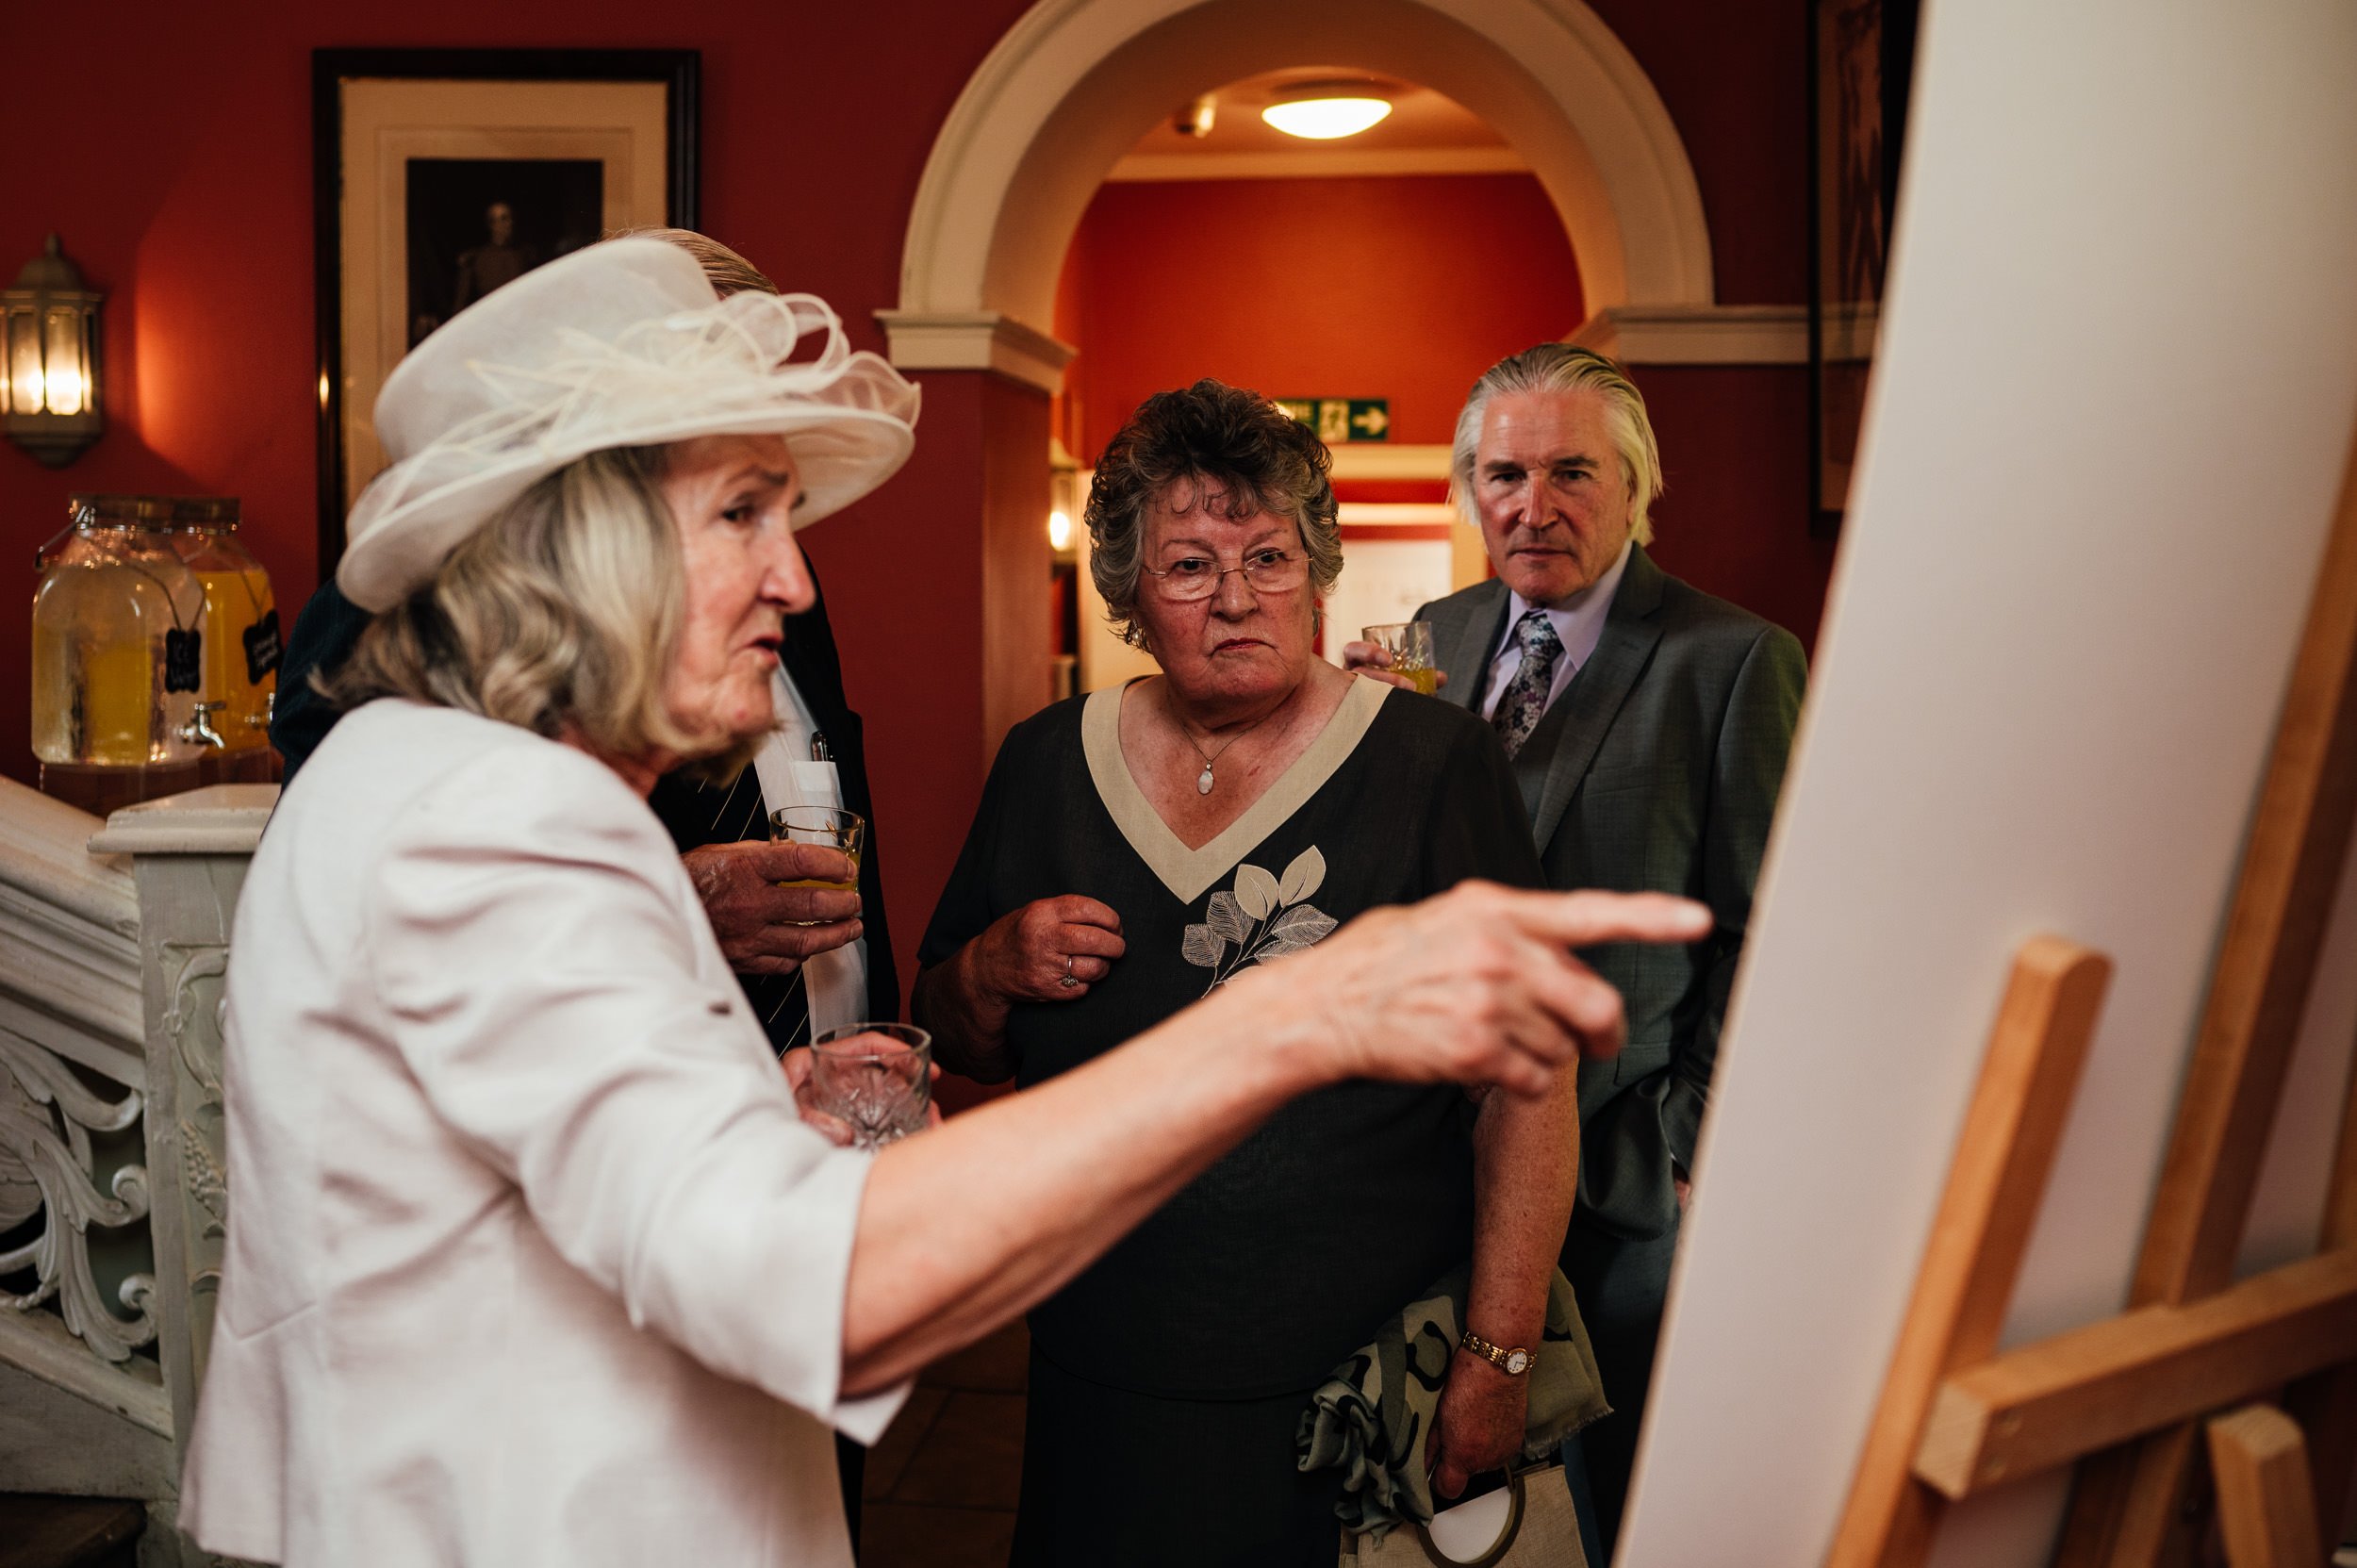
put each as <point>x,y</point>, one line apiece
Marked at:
<point>1648,724</point>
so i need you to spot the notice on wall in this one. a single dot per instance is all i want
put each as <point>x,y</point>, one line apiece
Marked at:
<point>1341,420</point>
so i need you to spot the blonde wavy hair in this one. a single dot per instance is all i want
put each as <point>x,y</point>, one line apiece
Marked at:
<point>561,616</point>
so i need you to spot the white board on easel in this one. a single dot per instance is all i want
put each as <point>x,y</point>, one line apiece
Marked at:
<point>2112,399</point>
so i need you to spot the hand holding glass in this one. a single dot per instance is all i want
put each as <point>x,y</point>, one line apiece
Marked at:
<point>875,1078</point>
<point>827,827</point>
<point>1408,646</point>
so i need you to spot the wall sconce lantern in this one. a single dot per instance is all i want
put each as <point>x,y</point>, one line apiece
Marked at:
<point>49,391</point>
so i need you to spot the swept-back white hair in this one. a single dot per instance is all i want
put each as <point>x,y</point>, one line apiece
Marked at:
<point>1561,368</point>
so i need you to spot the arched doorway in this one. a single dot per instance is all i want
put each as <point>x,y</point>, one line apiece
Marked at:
<point>1074,83</point>
<point>1070,88</point>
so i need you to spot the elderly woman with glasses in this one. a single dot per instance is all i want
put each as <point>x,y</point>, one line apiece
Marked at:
<point>1143,849</point>
<point>530,1259</point>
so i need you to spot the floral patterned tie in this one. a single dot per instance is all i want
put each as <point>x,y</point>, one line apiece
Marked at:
<point>1525,697</point>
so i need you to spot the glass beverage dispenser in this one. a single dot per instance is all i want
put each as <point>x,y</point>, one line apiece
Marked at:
<point>241,647</point>
<point>118,657</point>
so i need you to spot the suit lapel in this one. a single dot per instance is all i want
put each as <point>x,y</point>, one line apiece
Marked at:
<point>1463,642</point>
<point>1597,692</point>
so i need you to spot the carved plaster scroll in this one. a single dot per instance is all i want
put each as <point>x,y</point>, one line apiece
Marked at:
<point>47,1114</point>
<point>194,1024</point>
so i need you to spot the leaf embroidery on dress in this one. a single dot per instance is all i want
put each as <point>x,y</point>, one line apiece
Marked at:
<point>1265,917</point>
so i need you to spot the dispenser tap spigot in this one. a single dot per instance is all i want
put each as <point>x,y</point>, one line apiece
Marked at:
<point>199,729</point>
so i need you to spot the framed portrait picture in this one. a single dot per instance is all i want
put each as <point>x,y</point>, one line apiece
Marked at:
<point>1862,63</point>
<point>440,176</point>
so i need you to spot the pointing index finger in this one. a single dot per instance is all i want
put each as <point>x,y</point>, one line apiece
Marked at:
<point>1585,919</point>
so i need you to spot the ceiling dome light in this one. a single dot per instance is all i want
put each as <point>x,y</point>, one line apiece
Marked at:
<point>1326,111</point>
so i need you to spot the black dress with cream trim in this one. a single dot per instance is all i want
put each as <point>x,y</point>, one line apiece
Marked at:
<point>1169,1378</point>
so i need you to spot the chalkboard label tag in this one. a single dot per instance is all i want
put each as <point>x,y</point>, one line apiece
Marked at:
<point>261,649</point>
<point>182,666</point>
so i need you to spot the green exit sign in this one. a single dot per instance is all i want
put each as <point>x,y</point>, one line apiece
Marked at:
<point>1340,419</point>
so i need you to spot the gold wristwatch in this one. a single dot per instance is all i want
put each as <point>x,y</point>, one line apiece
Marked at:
<point>1512,1362</point>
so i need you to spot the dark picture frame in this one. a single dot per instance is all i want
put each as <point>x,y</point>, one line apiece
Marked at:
<point>1861,69</point>
<point>433,188</point>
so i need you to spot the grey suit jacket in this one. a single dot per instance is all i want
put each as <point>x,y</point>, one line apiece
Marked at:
<point>1655,771</point>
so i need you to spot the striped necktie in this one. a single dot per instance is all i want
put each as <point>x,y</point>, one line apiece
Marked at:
<point>779,1002</point>
<point>1524,699</point>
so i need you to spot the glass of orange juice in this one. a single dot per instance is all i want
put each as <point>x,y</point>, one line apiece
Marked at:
<point>826,826</point>
<point>1408,644</point>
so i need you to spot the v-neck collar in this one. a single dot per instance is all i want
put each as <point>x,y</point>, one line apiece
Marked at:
<point>1187,872</point>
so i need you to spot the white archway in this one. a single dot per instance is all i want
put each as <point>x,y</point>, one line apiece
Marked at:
<point>1074,83</point>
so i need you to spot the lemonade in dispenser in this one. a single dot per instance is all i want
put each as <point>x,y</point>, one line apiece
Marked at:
<point>118,641</point>
<point>241,637</point>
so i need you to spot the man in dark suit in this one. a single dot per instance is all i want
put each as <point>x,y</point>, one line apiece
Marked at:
<point>1648,724</point>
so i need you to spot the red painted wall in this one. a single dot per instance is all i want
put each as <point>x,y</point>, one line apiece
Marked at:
<point>1734,518</point>
<point>1734,79</point>
<point>1405,289</point>
<point>175,156</point>
<point>170,147</point>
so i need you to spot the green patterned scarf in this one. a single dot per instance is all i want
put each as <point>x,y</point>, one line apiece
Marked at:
<point>1370,1417</point>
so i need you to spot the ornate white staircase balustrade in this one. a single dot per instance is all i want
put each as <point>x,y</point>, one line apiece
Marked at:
<point>113,945</point>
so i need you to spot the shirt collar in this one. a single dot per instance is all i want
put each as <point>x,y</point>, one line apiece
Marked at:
<point>1578,618</point>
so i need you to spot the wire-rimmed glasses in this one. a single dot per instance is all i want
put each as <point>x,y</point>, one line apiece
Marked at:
<point>1265,571</point>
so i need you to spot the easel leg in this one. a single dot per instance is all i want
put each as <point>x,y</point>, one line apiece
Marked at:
<point>2325,1406</point>
<point>2128,1502</point>
<point>2266,1504</point>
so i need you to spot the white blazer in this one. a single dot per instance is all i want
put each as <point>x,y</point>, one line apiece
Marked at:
<point>530,1261</point>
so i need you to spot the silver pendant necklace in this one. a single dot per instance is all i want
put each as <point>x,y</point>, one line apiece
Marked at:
<point>1203,781</point>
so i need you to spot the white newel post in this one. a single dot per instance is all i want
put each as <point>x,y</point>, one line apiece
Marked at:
<point>188,856</point>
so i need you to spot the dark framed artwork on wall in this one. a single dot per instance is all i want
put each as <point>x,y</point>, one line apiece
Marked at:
<point>439,174</point>
<point>1861,65</point>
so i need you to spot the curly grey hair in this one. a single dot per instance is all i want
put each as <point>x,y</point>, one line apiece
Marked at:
<point>1215,438</point>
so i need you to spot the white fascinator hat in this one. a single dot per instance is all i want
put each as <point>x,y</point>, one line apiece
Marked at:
<point>621,344</point>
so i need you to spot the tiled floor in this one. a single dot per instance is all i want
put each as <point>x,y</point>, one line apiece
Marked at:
<point>940,1485</point>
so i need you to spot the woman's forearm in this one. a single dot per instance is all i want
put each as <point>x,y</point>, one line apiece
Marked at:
<point>965,1226</point>
<point>970,1028</point>
<point>1526,1178</point>
<point>968,1225</point>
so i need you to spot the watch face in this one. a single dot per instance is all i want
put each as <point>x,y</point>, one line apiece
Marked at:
<point>1518,1361</point>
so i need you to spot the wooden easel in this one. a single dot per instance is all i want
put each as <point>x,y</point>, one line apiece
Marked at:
<point>2126,1399</point>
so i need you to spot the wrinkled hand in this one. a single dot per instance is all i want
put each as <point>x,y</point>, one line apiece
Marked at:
<point>1022,957</point>
<point>1365,658</point>
<point>765,928</point>
<point>1479,1425</point>
<point>1477,986</point>
<point>837,1131</point>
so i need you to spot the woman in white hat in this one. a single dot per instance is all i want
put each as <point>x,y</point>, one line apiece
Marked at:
<point>530,1259</point>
